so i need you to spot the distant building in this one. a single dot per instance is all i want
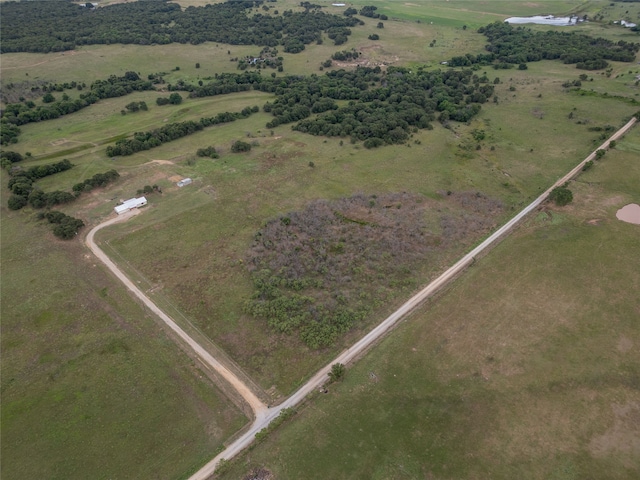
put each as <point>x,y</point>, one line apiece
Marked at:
<point>184,181</point>
<point>130,205</point>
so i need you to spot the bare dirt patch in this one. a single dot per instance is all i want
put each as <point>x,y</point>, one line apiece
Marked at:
<point>624,344</point>
<point>623,437</point>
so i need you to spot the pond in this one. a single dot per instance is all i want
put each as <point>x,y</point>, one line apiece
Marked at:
<point>629,213</point>
<point>545,20</point>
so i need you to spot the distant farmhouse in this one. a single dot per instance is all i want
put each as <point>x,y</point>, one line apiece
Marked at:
<point>130,205</point>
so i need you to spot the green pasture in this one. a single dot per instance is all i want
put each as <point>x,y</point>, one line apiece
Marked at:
<point>193,245</point>
<point>526,367</point>
<point>71,135</point>
<point>91,385</point>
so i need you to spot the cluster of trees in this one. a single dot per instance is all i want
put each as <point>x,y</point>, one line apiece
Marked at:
<point>345,55</point>
<point>8,158</point>
<point>561,196</point>
<point>209,151</point>
<point>173,99</point>
<point>133,107</point>
<point>240,147</point>
<point>8,132</point>
<point>382,105</point>
<point>21,185</point>
<point>25,192</point>
<point>167,133</point>
<point>27,112</point>
<point>41,171</point>
<point>39,199</point>
<point>41,26</point>
<point>98,180</point>
<point>66,227</point>
<point>509,45</point>
<point>368,11</point>
<point>408,100</point>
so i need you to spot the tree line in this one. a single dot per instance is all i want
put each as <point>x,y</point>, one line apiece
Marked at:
<point>154,138</point>
<point>509,45</point>
<point>15,114</point>
<point>25,192</point>
<point>65,227</point>
<point>52,26</point>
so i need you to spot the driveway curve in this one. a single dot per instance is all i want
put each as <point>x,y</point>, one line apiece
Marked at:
<point>257,406</point>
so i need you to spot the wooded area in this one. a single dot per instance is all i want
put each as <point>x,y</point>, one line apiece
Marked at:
<point>510,45</point>
<point>53,26</point>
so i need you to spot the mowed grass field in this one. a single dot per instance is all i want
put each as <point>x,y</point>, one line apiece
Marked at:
<point>527,367</point>
<point>91,385</point>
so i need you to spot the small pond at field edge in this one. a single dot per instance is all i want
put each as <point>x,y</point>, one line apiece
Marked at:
<point>629,213</point>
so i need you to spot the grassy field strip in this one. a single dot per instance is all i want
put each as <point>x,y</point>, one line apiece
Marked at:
<point>365,342</point>
<point>258,407</point>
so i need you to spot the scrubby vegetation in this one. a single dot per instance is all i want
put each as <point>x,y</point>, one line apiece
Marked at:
<point>66,227</point>
<point>510,45</point>
<point>45,26</point>
<point>318,272</point>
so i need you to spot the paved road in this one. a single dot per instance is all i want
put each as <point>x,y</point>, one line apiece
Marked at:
<point>259,408</point>
<point>365,342</point>
<point>264,415</point>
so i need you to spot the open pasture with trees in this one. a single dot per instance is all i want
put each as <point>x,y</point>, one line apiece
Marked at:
<point>526,367</point>
<point>218,254</point>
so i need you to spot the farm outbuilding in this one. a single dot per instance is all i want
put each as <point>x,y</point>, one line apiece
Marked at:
<point>130,205</point>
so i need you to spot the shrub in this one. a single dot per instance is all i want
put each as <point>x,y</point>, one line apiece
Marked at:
<point>208,152</point>
<point>561,196</point>
<point>240,146</point>
<point>16,202</point>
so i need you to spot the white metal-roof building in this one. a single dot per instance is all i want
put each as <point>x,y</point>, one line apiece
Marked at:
<point>131,204</point>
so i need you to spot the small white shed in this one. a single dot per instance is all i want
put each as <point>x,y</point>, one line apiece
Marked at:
<point>131,204</point>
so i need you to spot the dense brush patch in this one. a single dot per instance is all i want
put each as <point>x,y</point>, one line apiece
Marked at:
<point>321,270</point>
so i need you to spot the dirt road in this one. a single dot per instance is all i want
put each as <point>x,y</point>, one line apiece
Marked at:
<point>259,408</point>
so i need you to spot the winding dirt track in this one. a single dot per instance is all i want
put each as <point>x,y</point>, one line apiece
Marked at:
<point>264,415</point>
<point>254,402</point>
